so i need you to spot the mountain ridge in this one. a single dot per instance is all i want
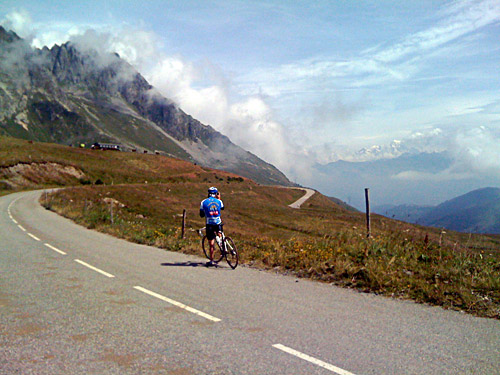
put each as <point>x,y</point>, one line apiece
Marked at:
<point>68,94</point>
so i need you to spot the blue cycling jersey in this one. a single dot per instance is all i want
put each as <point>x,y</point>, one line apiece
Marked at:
<point>211,208</point>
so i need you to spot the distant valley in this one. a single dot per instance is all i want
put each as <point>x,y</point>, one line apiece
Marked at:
<point>412,178</point>
<point>474,212</point>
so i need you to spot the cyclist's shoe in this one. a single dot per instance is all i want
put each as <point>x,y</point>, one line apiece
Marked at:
<point>211,263</point>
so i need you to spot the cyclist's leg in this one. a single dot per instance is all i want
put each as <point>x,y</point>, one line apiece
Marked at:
<point>219,234</point>
<point>212,248</point>
<point>211,232</point>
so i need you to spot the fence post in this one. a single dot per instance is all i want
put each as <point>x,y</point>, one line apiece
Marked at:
<point>183,223</point>
<point>367,198</point>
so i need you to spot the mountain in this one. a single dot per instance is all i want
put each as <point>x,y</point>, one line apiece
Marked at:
<point>475,212</point>
<point>71,94</point>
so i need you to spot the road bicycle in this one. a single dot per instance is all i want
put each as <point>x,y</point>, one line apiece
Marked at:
<point>224,248</point>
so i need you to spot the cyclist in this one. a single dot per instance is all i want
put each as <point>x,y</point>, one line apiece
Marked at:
<point>211,208</point>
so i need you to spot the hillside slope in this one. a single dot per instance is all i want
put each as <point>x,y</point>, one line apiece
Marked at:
<point>72,95</point>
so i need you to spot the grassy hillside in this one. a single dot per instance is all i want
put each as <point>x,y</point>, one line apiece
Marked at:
<point>322,240</point>
<point>101,167</point>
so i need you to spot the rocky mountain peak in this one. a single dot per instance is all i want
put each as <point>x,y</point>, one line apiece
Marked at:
<point>8,36</point>
<point>72,94</point>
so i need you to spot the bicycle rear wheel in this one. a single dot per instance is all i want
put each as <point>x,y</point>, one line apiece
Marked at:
<point>206,250</point>
<point>231,253</point>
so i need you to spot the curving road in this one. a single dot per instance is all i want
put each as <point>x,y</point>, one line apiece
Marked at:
<point>309,193</point>
<point>77,301</point>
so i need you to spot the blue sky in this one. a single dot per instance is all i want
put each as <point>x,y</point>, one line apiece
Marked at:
<point>299,82</point>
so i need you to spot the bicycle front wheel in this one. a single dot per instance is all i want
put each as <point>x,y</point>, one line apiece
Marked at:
<point>231,253</point>
<point>206,250</point>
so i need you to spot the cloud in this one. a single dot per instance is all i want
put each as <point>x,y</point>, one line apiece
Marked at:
<point>461,19</point>
<point>443,176</point>
<point>475,152</point>
<point>40,34</point>
<point>19,21</point>
<point>176,78</point>
<point>478,149</point>
<point>251,125</point>
<point>379,65</point>
<point>337,111</point>
<point>248,121</point>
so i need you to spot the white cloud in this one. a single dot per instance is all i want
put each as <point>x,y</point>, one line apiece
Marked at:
<point>462,19</point>
<point>382,64</point>
<point>443,176</point>
<point>478,149</point>
<point>19,21</point>
<point>475,152</point>
<point>176,78</point>
<point>251,125</point>
<point>248,122</point>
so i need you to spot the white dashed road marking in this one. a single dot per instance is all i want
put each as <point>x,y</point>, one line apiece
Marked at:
<point>34,237</point>
<point>178,304</point>
<point>94,268</point>
<point>313,360</point>
<point>21,227</point>
<point>55,249</point>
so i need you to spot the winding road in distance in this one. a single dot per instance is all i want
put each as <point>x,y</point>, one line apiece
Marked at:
<point>74,301</point>
<point>309,193</point>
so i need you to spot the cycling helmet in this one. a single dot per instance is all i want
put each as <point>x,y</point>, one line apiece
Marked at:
<point>212,191</point>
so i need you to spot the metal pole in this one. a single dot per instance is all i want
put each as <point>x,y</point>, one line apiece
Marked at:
<point>367,198</point>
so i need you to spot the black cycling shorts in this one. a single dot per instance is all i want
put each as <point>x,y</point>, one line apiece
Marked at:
<point>212,229</point>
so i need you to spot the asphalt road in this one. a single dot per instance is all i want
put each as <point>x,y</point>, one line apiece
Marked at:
<point>74,301</point>
<point>308,194</point>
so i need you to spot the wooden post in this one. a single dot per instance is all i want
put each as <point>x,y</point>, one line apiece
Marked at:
<point>367,198</point>
<point>183,223</point>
